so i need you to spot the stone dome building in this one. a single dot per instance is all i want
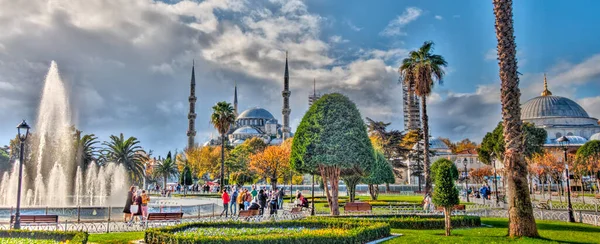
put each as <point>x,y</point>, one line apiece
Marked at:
<point>559,116</point>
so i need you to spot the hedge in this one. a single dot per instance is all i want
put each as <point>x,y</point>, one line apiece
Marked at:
<point>357,232</point>
<point>60,236</point>
<point>418,222</point>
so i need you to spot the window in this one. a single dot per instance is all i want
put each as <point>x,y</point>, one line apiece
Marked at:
<point>570,134</point>
<point>558,135</point>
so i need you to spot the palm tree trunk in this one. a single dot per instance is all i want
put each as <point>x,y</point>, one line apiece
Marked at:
<point>520,210</point>
<point>222,186</point>
<point>425,121</point>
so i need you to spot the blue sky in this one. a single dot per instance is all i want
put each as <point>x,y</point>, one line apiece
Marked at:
<point>127,63</point>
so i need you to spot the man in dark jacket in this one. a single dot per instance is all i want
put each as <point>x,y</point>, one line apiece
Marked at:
<point>262,201</point>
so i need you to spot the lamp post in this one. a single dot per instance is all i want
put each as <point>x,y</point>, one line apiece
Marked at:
<point>563,141</point>
<point>496,182</point>
<point>312,210</point>
<point>466,179</point>
<point>22,126</point>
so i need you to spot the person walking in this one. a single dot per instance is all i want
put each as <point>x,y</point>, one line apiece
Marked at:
<point>128,203</point>
<point>226,198</point>
<point>280,195</point>
<point>247,199</point>
<point>254,192</point>
<point>136,210</point>
<point>145,201</point>
<point>233,200</point>
<point>262,201</point>
<point>427,203</point>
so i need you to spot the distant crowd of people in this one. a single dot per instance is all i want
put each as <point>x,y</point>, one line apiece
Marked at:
<point>253,199</point>
<point>195,188</point>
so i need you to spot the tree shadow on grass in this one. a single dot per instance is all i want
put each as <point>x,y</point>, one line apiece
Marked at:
<point>567,227</point>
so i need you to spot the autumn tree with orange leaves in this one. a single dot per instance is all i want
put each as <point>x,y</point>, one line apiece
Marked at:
<point>273,162</point>
<point>478,175</point>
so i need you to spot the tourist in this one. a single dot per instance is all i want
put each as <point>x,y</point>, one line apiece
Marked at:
<point>248,199</point>
<point>427,202</point>
<point>226,198</point>
<point>280,198</point>
<point>128,202</point>
<point>233,201</point>
<point>262,201</point>
<point>240,199</point>
<point>135,208</point>
<point>254,192</point>
<point>253,206</point>
<point>145,201</point>
<point>273,203</point>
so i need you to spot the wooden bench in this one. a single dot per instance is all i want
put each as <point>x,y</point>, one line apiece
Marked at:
<point>459,207</point>
<point>574,195</point>
<point>249,213</point>
<point>554,194</point>
<point>36,219</point>
<point>597,196</point>
<point>166,217</point>
<point>358,207</point>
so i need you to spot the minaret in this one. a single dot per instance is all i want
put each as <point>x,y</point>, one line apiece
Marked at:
<point>286,101</point>
<point>235,107</point>
<point>546,92</point>
<point>192,115</point>
<point>314,97</point>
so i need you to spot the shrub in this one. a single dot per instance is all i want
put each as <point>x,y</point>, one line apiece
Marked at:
<point>418,222</point>
<point>60,236</point>
<point>327,231</point>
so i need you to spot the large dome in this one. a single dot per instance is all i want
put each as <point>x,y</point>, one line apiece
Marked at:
<point>256,113</point>
<point>552,106</point>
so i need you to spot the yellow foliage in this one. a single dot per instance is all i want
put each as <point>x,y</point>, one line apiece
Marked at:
<point>273,162</point>
<point>204,160</point>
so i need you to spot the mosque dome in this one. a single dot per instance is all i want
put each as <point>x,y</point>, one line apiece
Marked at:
<point>552,106</point>
<point>573,140</point>
<point>246,130</point>
<point>548,105</point>
<point>595,136</point>
<point>256,113</point>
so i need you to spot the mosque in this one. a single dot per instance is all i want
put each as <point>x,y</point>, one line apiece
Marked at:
<point>560,116</point>
<point>258,122</point>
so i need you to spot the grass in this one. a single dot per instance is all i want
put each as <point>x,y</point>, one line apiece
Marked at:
<point>550,232</point>
<point>115,237</point>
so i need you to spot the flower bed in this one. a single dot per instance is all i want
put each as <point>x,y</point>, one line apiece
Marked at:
<point>316,230</point>
<point>43,236</point>
<point>418,222</point>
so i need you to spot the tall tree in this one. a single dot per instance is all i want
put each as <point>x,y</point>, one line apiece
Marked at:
<point>424,68</point>
<point>222,118</point>
<point>378,173</point>
<point>445,193</point>
<point>520,211</point>
<point>331,137</point>
<point>127,152</point>
<point>589,155</point>
<point>166,168</point>
<point>272,163</point>
<point>87,149</point>
<point>492,145</point>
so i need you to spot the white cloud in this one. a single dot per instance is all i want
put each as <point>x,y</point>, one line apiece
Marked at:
<point>491,55</point>
<point>394,28</point>
<point>337,39</point>
<point>352,26</point>
<point>591,105</point>
<point>439,17</point>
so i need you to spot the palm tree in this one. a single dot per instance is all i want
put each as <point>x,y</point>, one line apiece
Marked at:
<point>222,118</point>
<point>520,211</point>
<point>127,152</point>
<point>88,150</point>
<point>166,168</point>
<point>421,69</point>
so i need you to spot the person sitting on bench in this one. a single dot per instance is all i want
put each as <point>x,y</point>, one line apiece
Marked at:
<point>254,206</point>
<point>301,201</point>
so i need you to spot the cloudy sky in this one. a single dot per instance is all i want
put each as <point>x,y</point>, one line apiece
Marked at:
<point>127,63</point>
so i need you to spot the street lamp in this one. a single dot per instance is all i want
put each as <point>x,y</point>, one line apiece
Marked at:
<point>466,179</point>
<point>563,141</point>
<point>312,210</point>
<point>23,127</point>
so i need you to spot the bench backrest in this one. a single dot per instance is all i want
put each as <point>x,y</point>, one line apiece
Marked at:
<point>164,216</point>
<point>36,218</point>
<point>357,206</point>
<point>246,213</point>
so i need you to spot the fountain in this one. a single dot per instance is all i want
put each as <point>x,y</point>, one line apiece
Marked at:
<point>57,179</point>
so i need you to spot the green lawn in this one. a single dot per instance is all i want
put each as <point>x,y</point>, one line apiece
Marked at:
<point>25,240</point>
<point>550,231</point>
<point>116,237</point>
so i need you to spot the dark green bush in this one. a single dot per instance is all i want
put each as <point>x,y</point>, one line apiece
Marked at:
<point>358,232</point>
<point>60,236</point>
<point>419,222</point>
